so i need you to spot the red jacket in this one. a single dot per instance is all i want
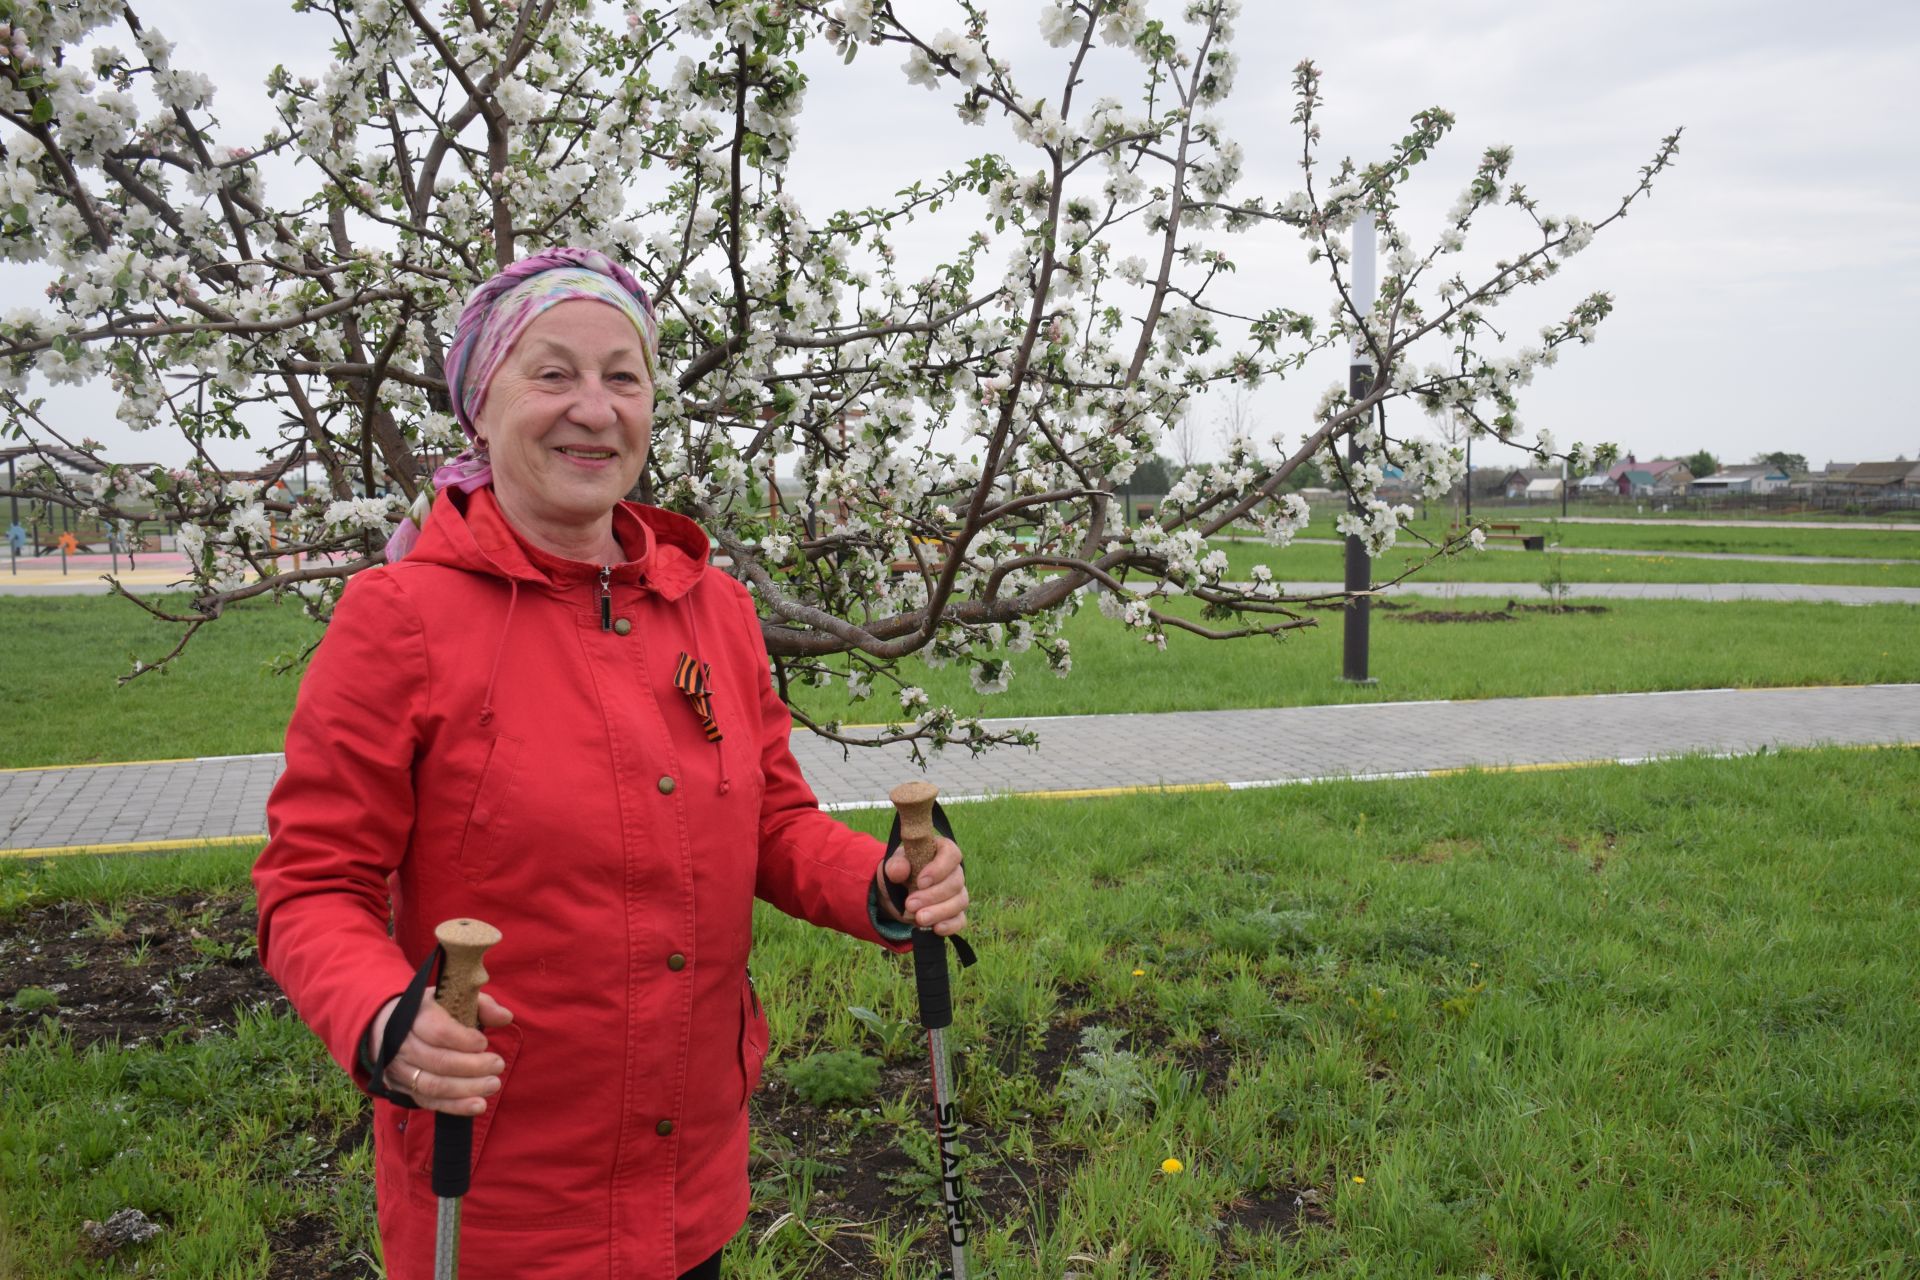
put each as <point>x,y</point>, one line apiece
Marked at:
<point>475,739</point>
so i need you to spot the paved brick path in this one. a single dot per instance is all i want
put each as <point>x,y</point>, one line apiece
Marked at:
<point>152,805</point>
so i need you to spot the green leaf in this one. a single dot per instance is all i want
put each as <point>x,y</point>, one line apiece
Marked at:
<point>42,111</point>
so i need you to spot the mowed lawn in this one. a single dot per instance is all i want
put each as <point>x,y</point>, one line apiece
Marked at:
<point>61,656</point>
<point>1326,562</point>
<point>1878,544</point>
<point>59,659</point>
<point>1611,1022</point>
<point>1632,646</point>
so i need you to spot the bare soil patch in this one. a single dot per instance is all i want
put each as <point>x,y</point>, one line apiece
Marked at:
<point>1452,615</point>
<point>135,972</point>
<point>185,966</point>
<point>1508,614</point>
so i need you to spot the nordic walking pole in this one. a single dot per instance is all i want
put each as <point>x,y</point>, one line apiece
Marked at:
<point>914,802</point>
<point>458,992</point>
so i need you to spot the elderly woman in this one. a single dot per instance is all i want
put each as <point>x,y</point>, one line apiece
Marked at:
<point>548,712</point>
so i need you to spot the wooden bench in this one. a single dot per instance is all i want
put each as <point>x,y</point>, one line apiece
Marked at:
<point>1498,531</point>
<point>933,549</point>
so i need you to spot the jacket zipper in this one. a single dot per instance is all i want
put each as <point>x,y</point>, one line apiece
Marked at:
<point>606,597</point>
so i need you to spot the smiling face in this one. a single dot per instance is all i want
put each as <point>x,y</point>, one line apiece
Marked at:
<point>567,422</point>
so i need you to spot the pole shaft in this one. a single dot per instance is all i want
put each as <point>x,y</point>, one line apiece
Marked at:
<point>465,942</point>
<point>446,1232</point>
<point>946,1131</point>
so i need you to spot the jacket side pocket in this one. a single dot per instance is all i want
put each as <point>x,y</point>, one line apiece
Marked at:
<point>755,1035</point>
<point>487,824</point>
<point>418,1125</point>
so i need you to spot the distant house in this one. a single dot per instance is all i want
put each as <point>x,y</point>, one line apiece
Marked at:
<point>1597,484</point>
<point>1758,477</point>
<point>1884,477</point>
<point>1654,477</point>
<point>1393,482</point>
<point>1545,489</point>
<point>1644,484</point>
<point>1486,482</point>
<point>1515,485</point>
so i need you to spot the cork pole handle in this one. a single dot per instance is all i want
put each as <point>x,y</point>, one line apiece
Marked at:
<point>918,840</point>
<point>464,941</point>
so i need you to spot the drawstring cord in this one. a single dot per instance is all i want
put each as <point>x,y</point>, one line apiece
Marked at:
<point>691,676</point>
<point>486,703</point>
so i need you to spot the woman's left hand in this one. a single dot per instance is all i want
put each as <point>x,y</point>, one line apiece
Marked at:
<point>939,901</point>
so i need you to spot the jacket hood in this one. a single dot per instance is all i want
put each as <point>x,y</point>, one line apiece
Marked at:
<point>666,551</point>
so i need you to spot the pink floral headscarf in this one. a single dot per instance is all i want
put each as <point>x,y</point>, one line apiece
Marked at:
<point>494,318</point>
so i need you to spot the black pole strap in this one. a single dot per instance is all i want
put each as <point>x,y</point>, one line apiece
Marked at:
<point>929,948</point>
<point>398,1027</point>
<point>452,1135</point>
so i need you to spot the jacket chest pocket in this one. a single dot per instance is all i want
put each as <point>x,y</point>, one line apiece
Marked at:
<point>488,825</point>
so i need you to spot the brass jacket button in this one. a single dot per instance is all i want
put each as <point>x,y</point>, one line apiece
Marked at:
<point>676,962</point>
<point>621,626</point>
<point>666,786</point>
<point>664,1128</point>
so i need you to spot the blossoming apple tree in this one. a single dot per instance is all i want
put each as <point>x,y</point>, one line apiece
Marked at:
<point>960,433</point>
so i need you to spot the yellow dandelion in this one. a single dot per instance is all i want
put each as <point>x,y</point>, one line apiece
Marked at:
<point>1139,973</point>
<point>1170,1165</point>
<point>1357,1178</point>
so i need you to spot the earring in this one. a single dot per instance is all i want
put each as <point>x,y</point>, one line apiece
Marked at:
<point>479,447</point>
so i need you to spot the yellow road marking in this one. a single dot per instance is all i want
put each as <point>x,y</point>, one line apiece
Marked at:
<point>1539,766</point>
<point>107,764</point>
<point>1545,766</point>
<point>1089,793</point>
<point>134,846</point>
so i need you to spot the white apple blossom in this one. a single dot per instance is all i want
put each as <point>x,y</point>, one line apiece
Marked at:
<point>1061,23</point>
<point>921,71</point>
<point>1123,23</point>
<point>961,376</point>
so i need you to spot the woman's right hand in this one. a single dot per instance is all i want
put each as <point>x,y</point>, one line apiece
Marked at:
<point>442,1065</point>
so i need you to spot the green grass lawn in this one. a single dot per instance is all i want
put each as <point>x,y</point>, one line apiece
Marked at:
<point>59,658</point>
<point>1649,510</point>
<point>1634,645</point>
<point>1613,1022</point>
<point>1881,544</point>
<point>1326,561</point>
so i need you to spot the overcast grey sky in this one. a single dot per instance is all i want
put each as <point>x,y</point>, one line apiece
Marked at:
<point>1766,295</point>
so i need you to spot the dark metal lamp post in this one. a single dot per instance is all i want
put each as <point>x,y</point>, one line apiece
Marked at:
<point>1360,373</point>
